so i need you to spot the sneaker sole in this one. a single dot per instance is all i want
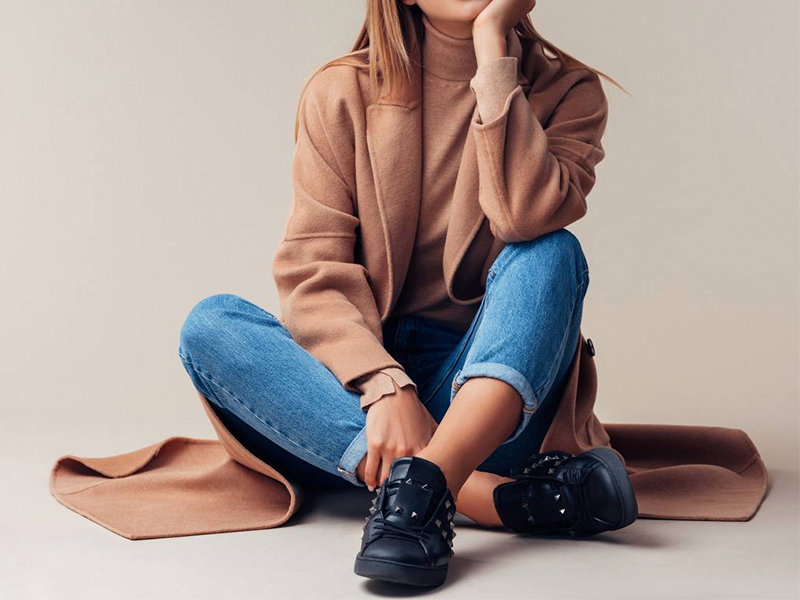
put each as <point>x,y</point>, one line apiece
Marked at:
<point>385,570</point>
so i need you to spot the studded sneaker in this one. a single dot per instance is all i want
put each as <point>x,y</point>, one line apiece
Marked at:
<point>409,534</point>
<point>558,493</point>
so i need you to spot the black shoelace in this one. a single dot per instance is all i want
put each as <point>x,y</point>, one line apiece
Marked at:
<point>389,529</point>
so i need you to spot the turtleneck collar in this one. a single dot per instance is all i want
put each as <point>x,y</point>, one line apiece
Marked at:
<point>446,56</point>
<point>453,58</point>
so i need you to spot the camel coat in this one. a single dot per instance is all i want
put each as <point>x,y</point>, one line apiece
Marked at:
<point>339,270</point>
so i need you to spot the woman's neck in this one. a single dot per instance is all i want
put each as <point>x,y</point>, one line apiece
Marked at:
<point>446,56</point>
<point>455,29</point>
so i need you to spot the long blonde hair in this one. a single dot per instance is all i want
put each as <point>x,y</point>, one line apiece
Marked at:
<point>391,36</point>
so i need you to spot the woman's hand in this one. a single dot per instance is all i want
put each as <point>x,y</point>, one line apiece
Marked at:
<point>397,425</point>
<point>500,16</point>
<point>491,26</point>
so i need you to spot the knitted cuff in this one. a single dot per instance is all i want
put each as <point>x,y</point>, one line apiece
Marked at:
<point>492,84</point>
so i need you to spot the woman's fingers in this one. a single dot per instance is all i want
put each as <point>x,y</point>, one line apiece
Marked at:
<point>371,469</point>
<point>386,465</point>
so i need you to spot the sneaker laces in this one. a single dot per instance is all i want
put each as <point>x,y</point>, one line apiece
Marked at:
<point>389,529</point>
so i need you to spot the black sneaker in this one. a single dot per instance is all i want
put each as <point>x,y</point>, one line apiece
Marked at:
<point>558,493</point>
<point>409,534</point>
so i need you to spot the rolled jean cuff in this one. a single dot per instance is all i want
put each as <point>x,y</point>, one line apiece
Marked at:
<point>504,373</point>
<point>351,458</point>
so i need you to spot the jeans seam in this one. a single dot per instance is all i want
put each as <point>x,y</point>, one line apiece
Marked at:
<point>501,258</point>
<point>474,325</point>
<point>255,416</point>
<point>351,474</point>
<point>465,342</point>
<point>562,346</point>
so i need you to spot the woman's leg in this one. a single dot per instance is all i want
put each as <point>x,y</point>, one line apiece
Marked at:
<point>509,370</point>
<point>277,398</point>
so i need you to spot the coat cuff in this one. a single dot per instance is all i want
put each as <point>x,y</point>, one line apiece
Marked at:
<point>492,84</point>
<point>375,386</point>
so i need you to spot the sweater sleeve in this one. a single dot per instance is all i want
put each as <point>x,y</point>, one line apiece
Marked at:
<point>492,84</point>
<point>375,386</point>
<point>325,298</point>
<point>534,177</point>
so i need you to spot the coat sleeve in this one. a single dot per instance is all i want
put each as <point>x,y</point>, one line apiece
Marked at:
<point>325,298</point>
<point>534,178</point>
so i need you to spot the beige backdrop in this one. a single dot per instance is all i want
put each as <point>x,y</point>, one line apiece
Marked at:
<point>145,152</point>
<point>145,163</point>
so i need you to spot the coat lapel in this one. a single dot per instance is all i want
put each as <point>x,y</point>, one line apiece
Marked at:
<point>466,215</point>
<point>394,140</point>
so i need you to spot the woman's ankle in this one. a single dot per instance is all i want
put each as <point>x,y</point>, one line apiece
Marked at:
<point>452,470</point>
<point>476,498</point>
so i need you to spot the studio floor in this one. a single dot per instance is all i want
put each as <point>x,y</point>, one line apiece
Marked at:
<point>50,552</point>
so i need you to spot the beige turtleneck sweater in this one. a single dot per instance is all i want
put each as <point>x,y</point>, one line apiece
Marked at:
<point>452,86</point>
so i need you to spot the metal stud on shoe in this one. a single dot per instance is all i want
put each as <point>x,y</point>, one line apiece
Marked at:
<point>595,505</point>
<point>398,510</point>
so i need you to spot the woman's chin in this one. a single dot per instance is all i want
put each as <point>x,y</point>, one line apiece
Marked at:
<point>469,9</point>
<point>455,11</point>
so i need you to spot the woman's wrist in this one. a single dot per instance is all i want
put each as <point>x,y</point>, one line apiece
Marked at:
<point>378,384</point>
<point>489,43</point>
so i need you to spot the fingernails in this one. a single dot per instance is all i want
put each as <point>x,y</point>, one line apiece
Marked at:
<point>371,488</point>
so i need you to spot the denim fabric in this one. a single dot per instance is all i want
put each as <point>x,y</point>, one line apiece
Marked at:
<point>290,410</point>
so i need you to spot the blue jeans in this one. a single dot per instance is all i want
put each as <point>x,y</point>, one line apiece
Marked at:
<point>288,409</point>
